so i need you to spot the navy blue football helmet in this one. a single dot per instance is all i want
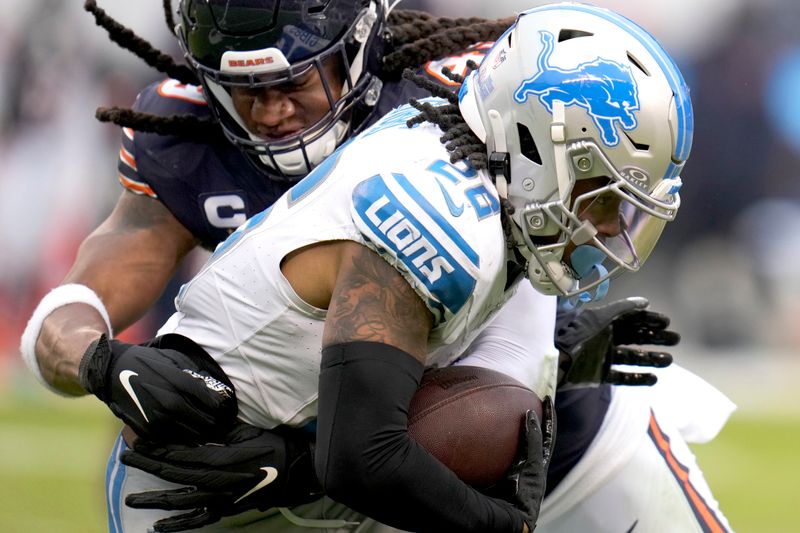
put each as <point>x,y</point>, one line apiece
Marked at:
<point>271,43</point>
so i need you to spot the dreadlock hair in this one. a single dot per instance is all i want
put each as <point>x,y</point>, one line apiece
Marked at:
<point>459,140</point>
<point>415,43</point>
<point>168,17</point>
<point>187,126</point>
<point>143,49</point>
<point>415,38</point>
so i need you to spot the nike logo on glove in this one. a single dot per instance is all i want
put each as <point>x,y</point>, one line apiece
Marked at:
<point>271,475</point>
<point>125,378</point>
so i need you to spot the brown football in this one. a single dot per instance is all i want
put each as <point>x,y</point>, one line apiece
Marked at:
<point>471,419</point>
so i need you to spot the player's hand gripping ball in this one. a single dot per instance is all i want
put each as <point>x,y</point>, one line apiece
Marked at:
<point>471,419</point>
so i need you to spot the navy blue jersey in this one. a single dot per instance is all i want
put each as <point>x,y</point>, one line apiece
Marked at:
<point>210,187</point>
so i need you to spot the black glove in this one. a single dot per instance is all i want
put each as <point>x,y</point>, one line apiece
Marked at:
<point>168,389</point>
<point>590,341</point>
<point>252,468</point>
<point>524,484</point>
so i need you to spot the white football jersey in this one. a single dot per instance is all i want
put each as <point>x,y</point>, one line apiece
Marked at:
<point>391,189</point>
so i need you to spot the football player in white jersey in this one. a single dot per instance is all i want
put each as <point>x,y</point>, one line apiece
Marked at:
<point>428,250</point>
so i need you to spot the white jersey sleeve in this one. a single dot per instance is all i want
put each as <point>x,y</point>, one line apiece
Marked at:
<point>519,341</point>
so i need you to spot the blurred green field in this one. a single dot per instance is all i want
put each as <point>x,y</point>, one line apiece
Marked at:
<point>52,462</point>
<point>53,452</point>
<point>753,467</point>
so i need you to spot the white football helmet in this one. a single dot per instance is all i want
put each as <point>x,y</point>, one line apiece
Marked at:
<point>573,92</point>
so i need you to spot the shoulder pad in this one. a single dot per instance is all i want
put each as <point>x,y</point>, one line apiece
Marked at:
<point>423,241</point>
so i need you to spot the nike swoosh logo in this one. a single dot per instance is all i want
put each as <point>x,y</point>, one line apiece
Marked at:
<point>455,210</point>
<point>271,475</point>
<point>125,378</point>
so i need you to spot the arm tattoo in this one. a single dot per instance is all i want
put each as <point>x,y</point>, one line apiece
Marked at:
<point>373,302</point>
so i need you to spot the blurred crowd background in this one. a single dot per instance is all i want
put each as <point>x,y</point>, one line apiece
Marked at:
<point>725,271</point>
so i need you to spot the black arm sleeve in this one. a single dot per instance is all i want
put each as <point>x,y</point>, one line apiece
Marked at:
<point>366,459</point>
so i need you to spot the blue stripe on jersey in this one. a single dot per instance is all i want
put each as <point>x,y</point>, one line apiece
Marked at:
<point>439,219</point>
<point>115,476</point>
<point>676,82</point>
<point>239,233</point>
<point>305,186</point>
<point>397,229</point>
<point>437,309</point>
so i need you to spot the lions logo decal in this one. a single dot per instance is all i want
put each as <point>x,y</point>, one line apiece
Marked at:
<point>606,89</point>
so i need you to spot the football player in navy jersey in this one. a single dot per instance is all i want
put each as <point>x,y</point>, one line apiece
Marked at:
<point>316,83</point>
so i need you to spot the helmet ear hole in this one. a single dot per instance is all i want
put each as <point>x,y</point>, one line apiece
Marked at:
<point>527,145</point>
<point>641,147</point>
<point>637,64</point>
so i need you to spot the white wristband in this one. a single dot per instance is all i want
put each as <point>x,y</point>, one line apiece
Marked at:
<point>58,297</point>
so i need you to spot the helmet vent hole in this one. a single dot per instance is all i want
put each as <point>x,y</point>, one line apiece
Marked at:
<point>566,35</point>
<point>638,146</point>
<point>637,63</point>
<point>527,146</point>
